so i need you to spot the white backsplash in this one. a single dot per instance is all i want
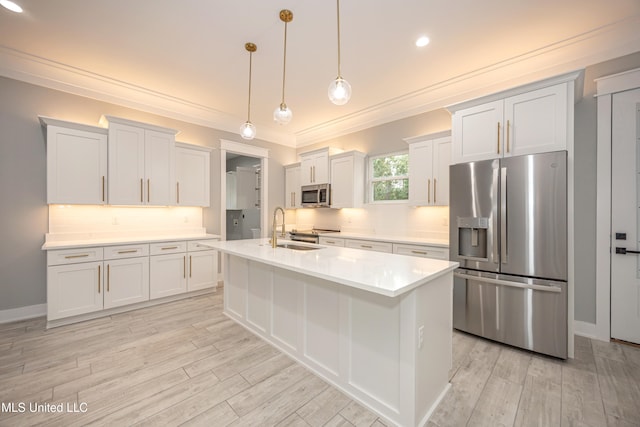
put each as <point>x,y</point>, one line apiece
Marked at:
<point>384,219</point>
<point>66,221</point>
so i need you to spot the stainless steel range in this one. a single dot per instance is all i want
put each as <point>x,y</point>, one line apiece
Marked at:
<point>310,236</point>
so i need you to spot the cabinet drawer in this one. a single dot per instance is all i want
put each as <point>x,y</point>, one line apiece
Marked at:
<point>167,248</point>
<point>369,245</point>
<point>74,256</point>
<point>331,241</point>
<point>196,245</point>
<point>421,251</point>
<point>126,251</point>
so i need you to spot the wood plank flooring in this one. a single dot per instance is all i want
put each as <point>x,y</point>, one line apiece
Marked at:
<point>185,363</point>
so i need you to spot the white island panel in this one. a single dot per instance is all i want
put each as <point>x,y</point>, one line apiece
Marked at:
<point>390,353</point>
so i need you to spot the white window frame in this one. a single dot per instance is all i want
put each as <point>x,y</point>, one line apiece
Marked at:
<point>371,180</point>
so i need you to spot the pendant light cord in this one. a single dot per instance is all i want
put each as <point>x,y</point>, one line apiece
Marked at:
<point>284,62</point>
<point>338,11</point>
<point>249,102</point>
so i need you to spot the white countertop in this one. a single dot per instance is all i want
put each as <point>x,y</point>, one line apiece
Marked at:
<point>444,243</point>
<point>382,273</point>
<point>122,240</point>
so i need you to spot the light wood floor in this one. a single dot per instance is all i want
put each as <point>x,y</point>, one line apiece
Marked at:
<point>185,363</point>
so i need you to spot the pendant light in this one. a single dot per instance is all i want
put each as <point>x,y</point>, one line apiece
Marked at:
<point>339,89</point>
<point>248,130</point>
<point>282,114</point>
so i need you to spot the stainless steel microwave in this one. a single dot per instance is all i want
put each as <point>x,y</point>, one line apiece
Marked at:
<point>316,196</point>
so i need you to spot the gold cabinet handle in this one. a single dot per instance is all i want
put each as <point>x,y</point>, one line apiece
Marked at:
<point>184,267</point>
<point>99,278</point>
<point>498,137</point>
<point>76,256</point>
<point>166,248</point>
<point>190,264</point>
<point>131,251</point>
<point>429,191</point>
<point>148,190</point>
<point>103,188</point>
<point>366,246</point>
<point>108,277</point>
<point>177,192</point>
<point>434,191</point>
<point>508,130</point>
<point>141,191</point>
<point>419,252</point>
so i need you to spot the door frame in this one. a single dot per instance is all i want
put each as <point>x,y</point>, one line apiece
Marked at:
<point>606,87</point>
<point>227,146</point>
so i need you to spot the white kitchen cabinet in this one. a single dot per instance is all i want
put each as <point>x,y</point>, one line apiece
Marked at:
<point>76,163</point>
<point>292,196</point>
<point>193,170</point>
<point>331,241</point>
<point>167,269</point>
<point>126,281</point>
<point>347,180</point>
<point>314,166</point>
<point>429,160</point>
<point>203,266</point>
<point>535,118</point>
<point>141,163</point>
<point>126,275</point>
<point>423,251</point>
<point>74,289</point>
<point>369,245</point>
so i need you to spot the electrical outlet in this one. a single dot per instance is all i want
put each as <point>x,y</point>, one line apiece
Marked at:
<point>235,221</point>
<point>420,337</point>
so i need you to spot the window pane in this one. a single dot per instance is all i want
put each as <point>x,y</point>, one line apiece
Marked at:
<point>397,165</point>
<point>395,189</point>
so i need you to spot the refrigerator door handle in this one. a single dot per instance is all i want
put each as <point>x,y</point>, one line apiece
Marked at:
<point>544,288</point>
<point>503,217</point>
<point>495,216</point>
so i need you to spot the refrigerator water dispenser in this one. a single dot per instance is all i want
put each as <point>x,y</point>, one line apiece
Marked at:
<point>472,238</point>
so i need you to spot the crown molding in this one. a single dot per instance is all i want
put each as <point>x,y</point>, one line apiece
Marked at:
<point>41,71</point>
<point>601,44</point>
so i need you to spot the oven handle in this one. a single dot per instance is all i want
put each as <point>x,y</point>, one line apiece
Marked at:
<point>545,288</point>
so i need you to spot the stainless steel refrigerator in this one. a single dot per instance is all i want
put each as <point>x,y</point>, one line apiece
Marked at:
<point>508,231</point>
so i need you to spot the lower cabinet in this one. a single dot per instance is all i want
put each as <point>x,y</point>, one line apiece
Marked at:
<point>126,281</point>
<point>87,280</point>
<point>421,251</point>
<point>369,245</point>
<point>168,275</point>
<point>74,289</point>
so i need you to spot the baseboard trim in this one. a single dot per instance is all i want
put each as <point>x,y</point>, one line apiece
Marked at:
<point>23,313</point>
<point>588,330</point>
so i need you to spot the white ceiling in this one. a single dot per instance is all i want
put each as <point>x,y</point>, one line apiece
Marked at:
<point>186,59</point>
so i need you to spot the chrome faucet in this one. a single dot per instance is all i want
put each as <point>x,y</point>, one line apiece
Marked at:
<point>274,235</point>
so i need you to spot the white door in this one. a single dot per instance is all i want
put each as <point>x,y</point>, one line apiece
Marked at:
<point>126,281</point>
<point>126,165</point>
<point>625,214</point>
<point>203,270</point>
<point>192,177</point>
<point>441,162</point>
<point>167,275</point>
<point>342,183</point>
<point>159,168</point>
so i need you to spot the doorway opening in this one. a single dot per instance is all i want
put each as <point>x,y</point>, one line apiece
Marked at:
<point>243,190</point>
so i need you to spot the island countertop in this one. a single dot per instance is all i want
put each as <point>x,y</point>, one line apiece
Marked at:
<point>381,273</point>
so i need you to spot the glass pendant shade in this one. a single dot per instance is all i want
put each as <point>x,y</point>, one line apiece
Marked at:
<point>339,91</point>
<point>282,114</point>
<point>248,130</point>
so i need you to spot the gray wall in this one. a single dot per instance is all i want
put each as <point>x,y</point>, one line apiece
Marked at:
<point>23,210</point>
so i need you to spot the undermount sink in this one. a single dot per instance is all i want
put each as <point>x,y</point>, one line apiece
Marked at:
<point>298,247</point>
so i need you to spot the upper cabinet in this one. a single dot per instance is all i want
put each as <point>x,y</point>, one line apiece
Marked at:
<point>347,180</point>
<point>192,175</point>
<point>76,163</point>
<point>141,163</point>
<point>429,160</point>
<point>530,119</point>
<point>314,166</point>
<point>292,197</point>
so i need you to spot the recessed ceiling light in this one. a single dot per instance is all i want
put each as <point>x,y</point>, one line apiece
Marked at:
<point>8,4</point>
<point>422,41</point>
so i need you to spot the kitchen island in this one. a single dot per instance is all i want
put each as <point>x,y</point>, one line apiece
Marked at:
<point>375,325</point>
